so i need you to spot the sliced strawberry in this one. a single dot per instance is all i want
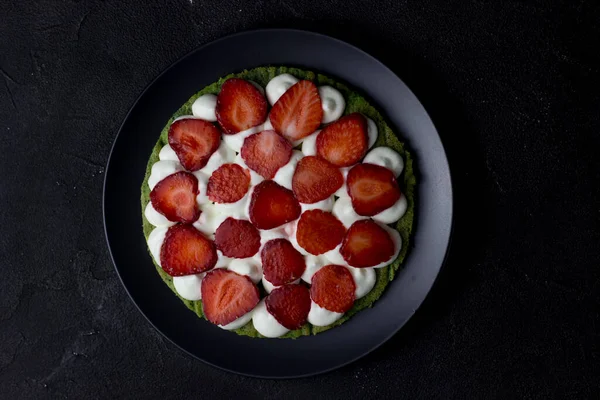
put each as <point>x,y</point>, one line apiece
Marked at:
<point>333,288</point>
<point>226,296</point>
<point>228,183</point>
<point>237,238</point>
<point>175,197</point>
<point>240,106</point>
<point>366,244</point>
<point>372,189</point>
<point>186,251</point>
<point>272,205</point>
<point>345,141</point>
<point>298,111</point>
<point>266,152</point>
<point>319,231</point>
<point>315,179</point>
<point>289,305</point>
<point>282,263</point>
<point>194,141</point>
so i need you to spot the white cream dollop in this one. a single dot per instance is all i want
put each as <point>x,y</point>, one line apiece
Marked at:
<point>343,210</point>
<point>334,256</point>
<point>269,287</point>
<point>237,210</point>
<point>155,241</point>
<point>278,86</point>
<point>393,213</point>
<point>313,264</point>
<point>188,286</point>
<point>222,260</point>
<point>343,191</point>
<point>265,323</point>
<point>223,155</point>
<point>323,205</point>
<point>238,323</point>
<point>204,107</point>
<point>247,267</point>
<point>364,279</point>
<point>155,218</point>
<point>210,219</point>
<point>161,169</point>
<point>309,144</point>
<point>386,157</point>
<point>372,131</point>
<point>167,154</point>
<point>202,197</point>
<point>284,175</point>
<point>332,103</point>
<point>319,316</point>
<point>236,141</point>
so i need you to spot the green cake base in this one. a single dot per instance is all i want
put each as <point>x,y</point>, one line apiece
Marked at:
<point>354,103</point>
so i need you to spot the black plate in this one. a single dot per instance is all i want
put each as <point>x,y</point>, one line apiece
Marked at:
<point>276,358</point>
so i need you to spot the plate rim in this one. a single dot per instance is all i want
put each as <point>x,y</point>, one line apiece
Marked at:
<point>364,54</point>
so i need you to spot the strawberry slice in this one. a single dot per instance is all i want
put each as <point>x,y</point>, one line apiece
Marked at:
<point>333,288</point>
<point>319,231</point>
<point>186,251</point>
<point>228,183</point>
<point>237,238</point>
<point>194,141</point>
<point>282,263</point>
<point>266,152</point>
<point>372,189</point>
<point>298,111</point>
<point>226,296</point>
<point>366,244</point>
<point>315,180</point>
<point>272,205</point>
<point>240,106</point>
<point>289,305</point>
<point>345,141</point>
<point>175,197</point>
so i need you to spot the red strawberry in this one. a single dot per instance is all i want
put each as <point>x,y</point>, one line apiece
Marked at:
<point>240,106</point>
<point>187,251</point>
<point>175,197</point>
<point>315,180</point>
<point>289,305</point>
<point>319,231</point>
<point>272,205</point>
<point>345,141</point>
<point>266,152</point>
<point>282,263</point>
<point>226,296</point>
<point>372,189</point>
<point>228,184</point>
<point>333,288</point>
<point>366,244</point>
<point>194,141</point>
<point>237,238</point>
<point>298,111</point>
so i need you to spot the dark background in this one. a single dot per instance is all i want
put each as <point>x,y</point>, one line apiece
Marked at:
<point>514,88</point>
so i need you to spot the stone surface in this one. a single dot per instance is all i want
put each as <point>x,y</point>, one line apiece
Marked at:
<point>513,89</point>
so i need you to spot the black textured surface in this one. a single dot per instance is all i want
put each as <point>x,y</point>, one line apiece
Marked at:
<point>513,89</point>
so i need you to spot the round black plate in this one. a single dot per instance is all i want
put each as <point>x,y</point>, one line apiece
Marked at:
<point>276,358</point>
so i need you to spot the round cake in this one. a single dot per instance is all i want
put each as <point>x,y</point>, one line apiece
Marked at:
<point>277,202</point>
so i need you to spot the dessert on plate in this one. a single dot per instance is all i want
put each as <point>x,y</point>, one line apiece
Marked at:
<point>278,203</point>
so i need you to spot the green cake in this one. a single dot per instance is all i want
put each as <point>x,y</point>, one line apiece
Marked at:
<point>354,103</point>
